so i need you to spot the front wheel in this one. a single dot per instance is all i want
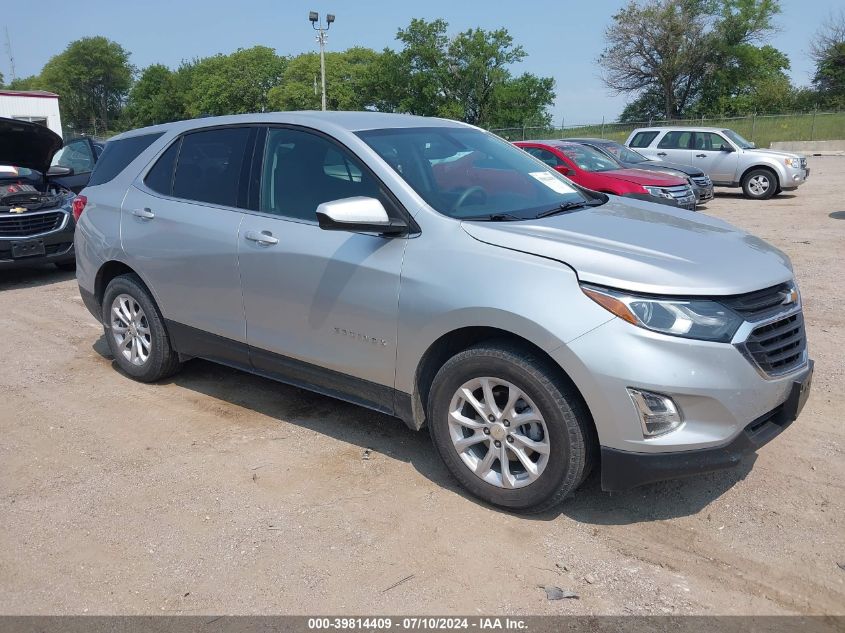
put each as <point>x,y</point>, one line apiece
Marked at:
<point>509,428</point>
<point>759,184</point>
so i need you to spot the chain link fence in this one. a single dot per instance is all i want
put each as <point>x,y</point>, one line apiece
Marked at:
<point>760,129</point>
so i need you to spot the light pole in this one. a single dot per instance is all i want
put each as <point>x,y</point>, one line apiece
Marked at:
<point>314,18</point>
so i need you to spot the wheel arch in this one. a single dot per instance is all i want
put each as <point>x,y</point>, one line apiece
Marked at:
<point>115,268</point>
<point>767,167</point>
<point>462,338</point>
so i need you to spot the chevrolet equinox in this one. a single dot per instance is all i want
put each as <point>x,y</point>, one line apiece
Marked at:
<point>430,270</point>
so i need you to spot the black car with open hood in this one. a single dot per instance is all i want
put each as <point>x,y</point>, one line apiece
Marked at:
<point>36,220</point>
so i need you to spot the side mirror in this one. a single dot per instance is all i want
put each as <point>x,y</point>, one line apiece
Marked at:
<point>58,170</point>
<point>726,148</point>
<point>358,215</point>
<point>563,169</point>
<point>753,145</point>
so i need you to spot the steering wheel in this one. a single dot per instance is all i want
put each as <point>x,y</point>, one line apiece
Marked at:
<point>466,194</point>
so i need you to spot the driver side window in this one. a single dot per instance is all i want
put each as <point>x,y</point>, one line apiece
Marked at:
<point>77,155</point>
<point>302,170</point>
<point>545,155</point>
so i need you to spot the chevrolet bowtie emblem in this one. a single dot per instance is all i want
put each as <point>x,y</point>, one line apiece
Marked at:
<point>17,210</point>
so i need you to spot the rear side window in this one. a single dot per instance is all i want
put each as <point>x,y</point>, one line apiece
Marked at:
<point>160,177</point>
<point>642,139</point>
<point>210,165</point>
<point>675,140</point>
<point>118,154</point>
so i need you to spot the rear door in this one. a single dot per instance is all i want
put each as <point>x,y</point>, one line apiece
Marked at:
<point>676,146</point>
<point>716,157</point>
<point>179,230</point>
<point>321,306</point>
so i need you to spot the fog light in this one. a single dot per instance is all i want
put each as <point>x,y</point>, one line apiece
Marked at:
<point>658,413</point>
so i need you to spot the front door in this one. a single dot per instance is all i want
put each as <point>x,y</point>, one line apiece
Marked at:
<point>321,306</point>
<point>715,157</point>
<point>179,229</point>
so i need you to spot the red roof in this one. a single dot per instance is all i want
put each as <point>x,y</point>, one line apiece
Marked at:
<point>42,94</point>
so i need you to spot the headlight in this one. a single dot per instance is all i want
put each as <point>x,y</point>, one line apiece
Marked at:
<point>689,318</point>
<point>792,162</point>
<point>658,192</point>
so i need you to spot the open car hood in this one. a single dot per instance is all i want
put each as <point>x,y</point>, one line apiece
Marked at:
<point>25,144</point>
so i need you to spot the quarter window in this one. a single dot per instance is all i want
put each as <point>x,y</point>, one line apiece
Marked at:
<point>210,165</point>
<point>302,170</point>
<point>675,139</point>
<point>642,139</point>
<point>160,177</point>
<point>118,154</point>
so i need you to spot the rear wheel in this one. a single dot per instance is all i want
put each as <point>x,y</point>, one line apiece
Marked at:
<point>759,184</point>
<point>508,428</point>
<point>135,331</point>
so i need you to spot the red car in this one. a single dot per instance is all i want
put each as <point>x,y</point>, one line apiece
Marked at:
<point>594,170</point>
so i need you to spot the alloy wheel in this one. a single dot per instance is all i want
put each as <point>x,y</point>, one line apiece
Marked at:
<point>759,185</point>
<point>130,329</point>
<point>498,432</point>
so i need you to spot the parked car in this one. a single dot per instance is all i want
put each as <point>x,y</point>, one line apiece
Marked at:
<point>36,200</point>
<point>80,155</point>
<point>596,170</point>
<point>726,157</point>
<point>429,270</point>
<point>700,182</point>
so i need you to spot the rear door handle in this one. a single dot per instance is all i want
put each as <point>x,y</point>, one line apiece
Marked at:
<point>265,238</point>
<point>144,213</point>
<point>661,153</point>
<point>701,155</point>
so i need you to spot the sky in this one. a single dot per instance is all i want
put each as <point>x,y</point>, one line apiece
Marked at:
<point>563,38</point>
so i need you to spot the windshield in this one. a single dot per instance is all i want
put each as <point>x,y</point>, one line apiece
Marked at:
<point>587,158</point>
<point>465,173</point>
<point>622,153</point>
<point>736,138</point>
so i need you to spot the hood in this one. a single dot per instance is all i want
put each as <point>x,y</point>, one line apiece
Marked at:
<point>689,170</point>
<point>773,152</point>
<point>645,177</point>
<point>25,144</point>
<point>644,247</point>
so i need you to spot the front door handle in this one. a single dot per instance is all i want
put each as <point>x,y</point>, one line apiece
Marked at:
<point>144,213</point>
<point>701,155</point>
<point>265,238</point>
<point>661,153</point>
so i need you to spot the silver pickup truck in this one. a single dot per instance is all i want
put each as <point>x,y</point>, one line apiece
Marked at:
<point>729,159</point>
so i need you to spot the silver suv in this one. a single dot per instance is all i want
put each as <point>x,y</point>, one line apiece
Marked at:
<point>430,270</point>
<point>725,156</point>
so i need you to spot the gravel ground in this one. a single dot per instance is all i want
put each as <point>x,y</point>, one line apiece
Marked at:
<point>220,492</point>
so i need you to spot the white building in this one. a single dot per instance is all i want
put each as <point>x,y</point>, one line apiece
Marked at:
<point>38,106</point>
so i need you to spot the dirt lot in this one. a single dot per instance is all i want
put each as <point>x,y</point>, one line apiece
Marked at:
<point>220,492</point>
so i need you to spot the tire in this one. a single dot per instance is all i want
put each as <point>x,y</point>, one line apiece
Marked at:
<point>150,357</point>
<point>68,266</point>
<point>563,425</point>
<point>759,184</point>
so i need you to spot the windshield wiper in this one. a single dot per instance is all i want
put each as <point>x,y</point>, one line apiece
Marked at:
<point>496,217</point>
<point>570,206</point>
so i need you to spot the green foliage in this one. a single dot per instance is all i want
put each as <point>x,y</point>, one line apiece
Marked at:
<point>522,100</point>
<point>155,98</point>
<point>348,80</point>
<point>25,83</point>
<point>232,84</point>
<point>92,76</point>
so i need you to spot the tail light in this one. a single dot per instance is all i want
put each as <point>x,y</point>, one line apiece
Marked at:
<point>78,206</point>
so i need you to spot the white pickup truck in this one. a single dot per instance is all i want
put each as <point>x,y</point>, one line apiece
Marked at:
<point>729,159</point>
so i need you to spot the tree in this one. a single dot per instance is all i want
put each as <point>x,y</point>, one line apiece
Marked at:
<point>232,84</point>
<point>693,54</point>
<point>464,77</point>
<point>92,78</point>
<point>348,83</point>
<point>25,83</point>
<point>155,98</point>
<point>828,52</point>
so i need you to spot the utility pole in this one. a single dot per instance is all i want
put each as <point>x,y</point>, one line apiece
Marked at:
<point>11,56</point>
<point>322,37</point>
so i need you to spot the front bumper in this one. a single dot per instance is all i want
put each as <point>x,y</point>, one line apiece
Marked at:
<point>623,470</point>
<point>58,247</point>
<point>795,177</point>
<point>704,194</point>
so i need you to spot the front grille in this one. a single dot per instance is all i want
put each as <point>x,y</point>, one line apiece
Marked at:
<point>702,181</point>
<point>759,304</point>
<point>27,225</point>
<point>681,191</point>
<point>803,162</point>
<point>778,347</point>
